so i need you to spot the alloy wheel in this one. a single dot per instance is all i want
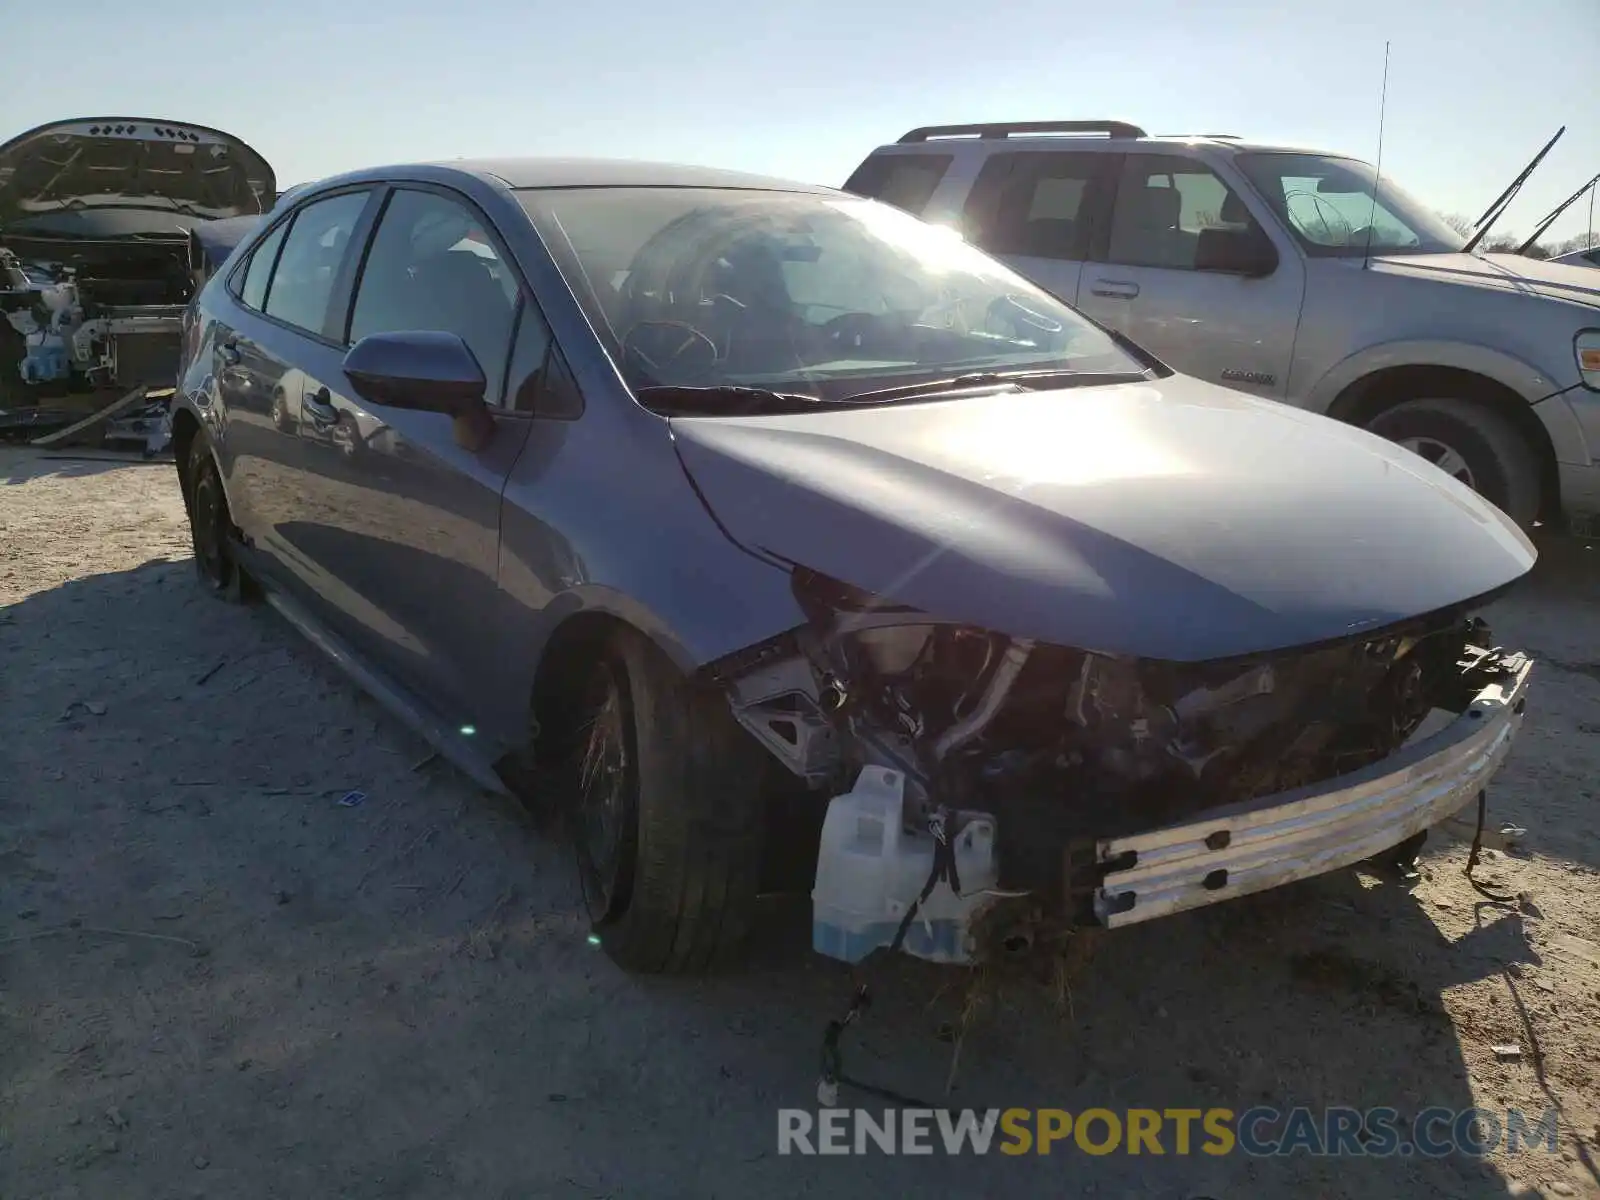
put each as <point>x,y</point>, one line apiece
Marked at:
<point>206,528</point>
<point>1445,457</point>
<point>606,804</point>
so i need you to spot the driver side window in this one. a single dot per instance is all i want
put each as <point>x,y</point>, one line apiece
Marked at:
<point>1164,202</point>
<point>433,266</point>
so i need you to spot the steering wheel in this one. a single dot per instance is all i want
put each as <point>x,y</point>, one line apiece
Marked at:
<point>672,350</point>
<point>1011,317</point>
<point>852,329</point>
<point>1321,208</point>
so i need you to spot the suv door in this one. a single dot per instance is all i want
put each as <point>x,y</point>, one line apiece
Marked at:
<point>1150,279</point>
<point>407,524</point>
<point>260,345</point>
<point>1038,211</point>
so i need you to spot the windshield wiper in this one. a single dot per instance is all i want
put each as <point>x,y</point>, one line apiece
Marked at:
<point>718,400</point>
<point>1496,210</point>
<point>1028,380</point>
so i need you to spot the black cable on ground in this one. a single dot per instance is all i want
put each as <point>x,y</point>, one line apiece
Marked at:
<point>1477,849</point>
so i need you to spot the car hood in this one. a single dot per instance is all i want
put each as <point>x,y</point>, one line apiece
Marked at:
<point>1502,272</point>
<point>1172,520</point>
<point>131,162</point>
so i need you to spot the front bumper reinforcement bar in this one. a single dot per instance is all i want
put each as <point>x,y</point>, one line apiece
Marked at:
<point>1309,831</point>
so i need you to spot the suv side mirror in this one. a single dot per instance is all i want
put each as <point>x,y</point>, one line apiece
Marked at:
<point>1236,250</point>
<point>422,370</point>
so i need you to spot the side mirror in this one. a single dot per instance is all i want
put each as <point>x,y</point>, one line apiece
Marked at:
<point>422,370</point>
<point>1235,251</point>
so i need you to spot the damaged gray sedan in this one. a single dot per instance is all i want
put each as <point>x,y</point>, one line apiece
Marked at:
<point>778,534</point>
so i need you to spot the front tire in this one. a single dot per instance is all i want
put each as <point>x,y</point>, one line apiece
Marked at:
<point>1474,444</point>
<point>667,814</point>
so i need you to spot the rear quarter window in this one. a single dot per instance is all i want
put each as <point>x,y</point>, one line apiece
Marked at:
<point>906,181</point>
<point>252,281</point>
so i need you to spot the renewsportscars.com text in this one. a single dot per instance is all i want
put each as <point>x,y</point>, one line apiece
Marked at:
<point>1260,1131</point>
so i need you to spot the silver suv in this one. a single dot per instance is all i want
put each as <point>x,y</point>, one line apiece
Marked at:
<point>1278,272</point>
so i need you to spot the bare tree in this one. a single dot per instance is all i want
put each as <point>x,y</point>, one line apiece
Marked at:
<point>1497,243</point>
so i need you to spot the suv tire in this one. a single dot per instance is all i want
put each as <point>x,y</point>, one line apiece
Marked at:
<point>1473,443</point>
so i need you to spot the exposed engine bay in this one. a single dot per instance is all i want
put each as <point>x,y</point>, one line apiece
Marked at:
<point>1000,766</point>
<point>98,324</point>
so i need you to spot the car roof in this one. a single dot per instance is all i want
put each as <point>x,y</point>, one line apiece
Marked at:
<point>522,173</point>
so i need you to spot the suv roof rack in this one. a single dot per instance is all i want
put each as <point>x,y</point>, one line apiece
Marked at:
<point>1003,129</point>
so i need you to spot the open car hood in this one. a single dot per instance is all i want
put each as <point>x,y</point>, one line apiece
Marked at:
<point>77,166</point>
<point>1172,520</point>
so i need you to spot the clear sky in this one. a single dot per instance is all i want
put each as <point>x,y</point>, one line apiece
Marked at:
<point>806,89</point>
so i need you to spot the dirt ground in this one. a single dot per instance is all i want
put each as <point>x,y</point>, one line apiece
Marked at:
<point>216,980</point>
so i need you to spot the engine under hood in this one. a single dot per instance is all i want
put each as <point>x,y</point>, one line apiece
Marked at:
<point>130,163</point>
<point>1172,520</point>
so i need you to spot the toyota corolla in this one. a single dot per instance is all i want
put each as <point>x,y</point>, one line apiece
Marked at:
<point>751,521</point>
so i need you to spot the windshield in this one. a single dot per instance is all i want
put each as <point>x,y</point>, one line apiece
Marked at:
<point>815,294</point>
<point>1328,202</point>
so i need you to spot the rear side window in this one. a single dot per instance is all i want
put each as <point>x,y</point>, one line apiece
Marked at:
<point>1034,204</point>
<point>319,238</point>
<point>906,181</point>
<point>253,294</point>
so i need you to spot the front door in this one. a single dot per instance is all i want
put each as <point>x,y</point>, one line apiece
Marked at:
<point>403,520</point>
<point>1224,328</point>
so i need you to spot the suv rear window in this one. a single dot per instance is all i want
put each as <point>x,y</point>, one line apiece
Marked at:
<point>906,181</point>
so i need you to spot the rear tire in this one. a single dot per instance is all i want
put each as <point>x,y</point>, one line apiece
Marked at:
<point>1473,443</point>
<point>211,528</point>
<point>672,879</point>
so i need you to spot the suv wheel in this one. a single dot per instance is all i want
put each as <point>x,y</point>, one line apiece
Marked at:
<point>1472,443</point>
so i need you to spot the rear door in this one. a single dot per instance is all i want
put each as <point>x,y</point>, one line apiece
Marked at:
<point>1221,327</point>
<point>403,522</point>
<point>244,372</point>
<point>258,349</point>
<point>282,301</point>
<point>1038,211</point>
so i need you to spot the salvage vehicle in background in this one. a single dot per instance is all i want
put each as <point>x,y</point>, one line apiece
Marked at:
<point>730,510</point>
<point>98,249</point>
<point>1291,274</point>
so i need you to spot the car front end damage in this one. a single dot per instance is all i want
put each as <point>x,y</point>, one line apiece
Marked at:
<point>990,793</point>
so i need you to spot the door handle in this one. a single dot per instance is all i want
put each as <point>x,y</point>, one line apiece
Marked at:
<point>319,404</point>
<point>228,352</point>
<point>1118,289</point>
